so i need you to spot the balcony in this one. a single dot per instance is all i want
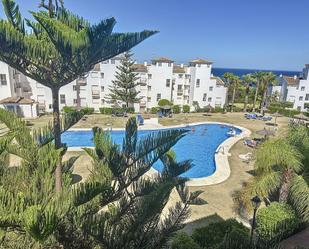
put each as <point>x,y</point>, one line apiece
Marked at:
<point>26,89</point>
<point>95,94</point>
<point>81,81</point>
<point>143,81</point>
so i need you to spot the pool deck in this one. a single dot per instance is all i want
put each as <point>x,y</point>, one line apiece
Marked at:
<point>223,170</point>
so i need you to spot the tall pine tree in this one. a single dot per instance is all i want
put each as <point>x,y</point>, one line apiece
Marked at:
<point>124,86</point>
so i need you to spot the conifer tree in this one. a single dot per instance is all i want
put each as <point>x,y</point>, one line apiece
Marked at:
<point>124,86</point>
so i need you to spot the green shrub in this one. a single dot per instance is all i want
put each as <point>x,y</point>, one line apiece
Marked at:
<point>186,108</point>
<point>163,102</point>
<point>285,112</point>
<point>276,222</point>
<point>176,109</point>
<point>183,241</point>
<point>213,234</point>
<point>68,109</point>
<point>236,239</point>
<point>87,110</point>
<point>218,109</point>
<point>306,106</point>
<point>106,110</point>
<point>130,110</point>
<point>154,110</point>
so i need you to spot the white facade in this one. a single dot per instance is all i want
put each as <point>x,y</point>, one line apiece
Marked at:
<point>294,89</point>
<point>161,79</point>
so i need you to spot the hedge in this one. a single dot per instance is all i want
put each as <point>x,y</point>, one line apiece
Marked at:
<point>87,110</point>
<point>285,112</point>
<point>183,241</point>
<point>176,109</point>
<point>276,222</point>
<point>68,109</point>
<point>154,110</point>
<point>186,108</point>
<point>106,110</point>
<point>213,235</point>
<point>163,102</point>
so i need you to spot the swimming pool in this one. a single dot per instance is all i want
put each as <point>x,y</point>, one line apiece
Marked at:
<point>200,145</point>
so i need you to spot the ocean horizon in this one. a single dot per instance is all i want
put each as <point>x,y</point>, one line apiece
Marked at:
<point>239,72</point>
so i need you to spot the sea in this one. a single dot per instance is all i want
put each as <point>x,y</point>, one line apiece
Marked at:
<point>239,72</point>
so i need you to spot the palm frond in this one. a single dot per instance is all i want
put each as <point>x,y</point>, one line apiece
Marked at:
<point>12,12</point>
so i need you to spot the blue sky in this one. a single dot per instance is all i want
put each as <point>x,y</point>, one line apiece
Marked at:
<point>255,34</point>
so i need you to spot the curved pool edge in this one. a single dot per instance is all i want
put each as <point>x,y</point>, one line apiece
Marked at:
<point>223,169</point>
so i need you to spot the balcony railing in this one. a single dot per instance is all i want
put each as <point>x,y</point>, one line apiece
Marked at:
<point>81,82</point>
<point>95,94</point>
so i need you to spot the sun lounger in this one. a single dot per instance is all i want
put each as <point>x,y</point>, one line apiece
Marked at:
<point>250,143</point>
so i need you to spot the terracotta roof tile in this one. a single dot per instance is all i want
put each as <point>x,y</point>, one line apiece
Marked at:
<point>178,69</point>
<point>140,68</point>
<point>291,80</point>
<point>163,59</point>
<point>200,61</point>
<point>17,100</point>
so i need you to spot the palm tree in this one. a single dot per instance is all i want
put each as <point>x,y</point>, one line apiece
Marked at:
<point>266,80</point>
<point>258,78</point>
<point>232,81</point>
<point>57,47</point>
<point>247,80</point>
<point>281,171</point>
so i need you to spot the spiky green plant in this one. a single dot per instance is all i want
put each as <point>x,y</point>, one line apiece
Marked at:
<point>120,205</point>
<point>57,47</point>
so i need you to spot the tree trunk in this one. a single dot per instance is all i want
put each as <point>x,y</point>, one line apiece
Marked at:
<point>233,98</point>
<point>263,102</point>
<point>256,95</point>
<point>285,186</point>
<point>57,135</point>
<point>246,99</point>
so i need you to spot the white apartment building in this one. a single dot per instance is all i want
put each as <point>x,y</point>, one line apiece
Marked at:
<point>160,79</point>
<point>294,89</point>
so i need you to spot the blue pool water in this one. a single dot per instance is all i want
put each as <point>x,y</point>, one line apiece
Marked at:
<point>199,144</point>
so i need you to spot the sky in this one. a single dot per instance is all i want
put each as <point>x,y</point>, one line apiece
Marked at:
<point>253,34</point>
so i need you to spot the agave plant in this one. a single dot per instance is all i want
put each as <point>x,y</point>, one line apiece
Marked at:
<point>56,47</point>
<point>119,205</point>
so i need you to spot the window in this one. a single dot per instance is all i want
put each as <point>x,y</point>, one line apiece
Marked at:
<point>179,87</point>
<point>149,88</point>
<point>149,99</point>
<point>112,61</point>
<point>102,75</point>
<point>307,97</point>
<point>211,88</point>
<point>187,76</point>
<point>50,106</point>
<point>3,80</point>
<point>169,64</point>
<point>74,88</point>
<point>301,98</point>
<point>180,76</point>
<point>302,88</point>
<point>209,99</point>
<point>149,76</point>
<point>299,108</point>
<point>198,65</point>
<point>102,101</point>
<point>94,75</point>
<point>204,96</point>
<point>168,82</point>
<point>102,88</point>
<point>158,96</point>
<point>159,64</point>
<point>198,83</point>
<point>62,99</point>
<point>75,101</point>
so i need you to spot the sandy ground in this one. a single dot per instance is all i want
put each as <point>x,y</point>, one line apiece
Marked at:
<point>218,197</point>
